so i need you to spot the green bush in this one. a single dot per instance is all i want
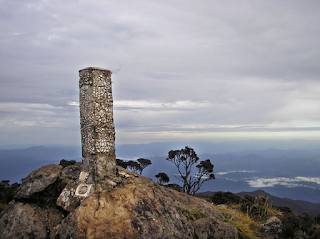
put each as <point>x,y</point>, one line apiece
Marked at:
<point>225,198</point>
<point>194,214</point>
<point>174,186</point>
<point>7,192</point>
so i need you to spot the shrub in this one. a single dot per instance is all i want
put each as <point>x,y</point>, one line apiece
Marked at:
<point>315,232</point>
<point>290,225</point>
<point>174,186</point>
<point>257,207</point>
<point>64,163</point>
<point>194,214</point>
<point>225,198</point>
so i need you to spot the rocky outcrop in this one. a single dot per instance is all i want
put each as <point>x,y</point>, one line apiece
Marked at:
<point>134,208</point>
<point>23,220</point>
<point>273,227</point>
<point>212,228</point>
<point>38,181</point>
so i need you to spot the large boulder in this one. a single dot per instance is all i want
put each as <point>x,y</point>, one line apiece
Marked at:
<point>23,220</point>
<point>135,207</point>
<point>70,174</point>
<point>140,208</point>
<point>38,181</point>
<point>210,227</point>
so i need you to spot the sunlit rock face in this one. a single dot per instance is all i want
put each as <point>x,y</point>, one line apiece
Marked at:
<point>136,207</point>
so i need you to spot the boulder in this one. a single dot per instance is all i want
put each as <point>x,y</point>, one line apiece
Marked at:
<point>38,181</point>
<point>20,220</point>
<point>140,208</point>
<point>210,227</point>
<point>273,227</point>
<point>70,174</point>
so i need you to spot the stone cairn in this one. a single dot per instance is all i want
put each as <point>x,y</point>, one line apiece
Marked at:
<point>97,136</point>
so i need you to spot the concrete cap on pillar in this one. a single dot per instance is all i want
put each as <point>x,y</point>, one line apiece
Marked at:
<point>95,68</point>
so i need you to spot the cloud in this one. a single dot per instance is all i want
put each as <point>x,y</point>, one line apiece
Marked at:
<point>214,66</point>
<point>155,105</point>
<point>238,171</point>
<point>282,181</point>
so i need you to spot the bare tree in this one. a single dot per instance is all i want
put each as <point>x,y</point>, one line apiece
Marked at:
<point>185,160</point>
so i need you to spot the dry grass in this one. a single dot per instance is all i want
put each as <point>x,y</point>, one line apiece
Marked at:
<point>248,228</point>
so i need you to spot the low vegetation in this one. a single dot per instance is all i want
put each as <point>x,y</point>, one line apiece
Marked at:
<point>7,192</point>
<point>249,215</point>
<point>194,214</point>
<point>64,163</point>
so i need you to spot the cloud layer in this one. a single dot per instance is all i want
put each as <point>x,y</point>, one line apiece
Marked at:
<point>314,182</point>
<point>208,70</point>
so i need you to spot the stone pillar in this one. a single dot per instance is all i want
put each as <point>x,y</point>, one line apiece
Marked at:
<point>97,126</point>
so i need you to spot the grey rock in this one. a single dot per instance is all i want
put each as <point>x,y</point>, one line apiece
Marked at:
<point>273,227</point>
<point>70,173</point>
<point>211,228</point>
<point>38,180</point>
<point>21,220</point>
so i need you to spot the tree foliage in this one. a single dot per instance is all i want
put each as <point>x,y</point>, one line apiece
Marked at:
<point>134,166</point>
<point>162,178</point>
<point>7,192</point>
<point>143,163</point>
<point>185,160</point>
<point>225,198</point>
<point>64,163</point>
<point>122,163</point>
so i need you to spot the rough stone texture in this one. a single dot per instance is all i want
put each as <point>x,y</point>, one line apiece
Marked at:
<point>97,126</point>
<point>140,208</point>
<point>210,227</point>
<point>134,208</point>
<point>273,227</point>
<point>21,220</point>
<point>38,180</point>
<point>70,174</point>
<point>68,177</point>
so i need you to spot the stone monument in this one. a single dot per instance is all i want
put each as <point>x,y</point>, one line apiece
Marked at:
<point>98,170</point>
<point>97,129</point>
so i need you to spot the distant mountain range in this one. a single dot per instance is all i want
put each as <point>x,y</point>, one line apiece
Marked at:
<point>18,163</point>
<point>285,173</point>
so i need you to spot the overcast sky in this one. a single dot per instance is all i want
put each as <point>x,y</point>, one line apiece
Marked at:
<point>210,70</point>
